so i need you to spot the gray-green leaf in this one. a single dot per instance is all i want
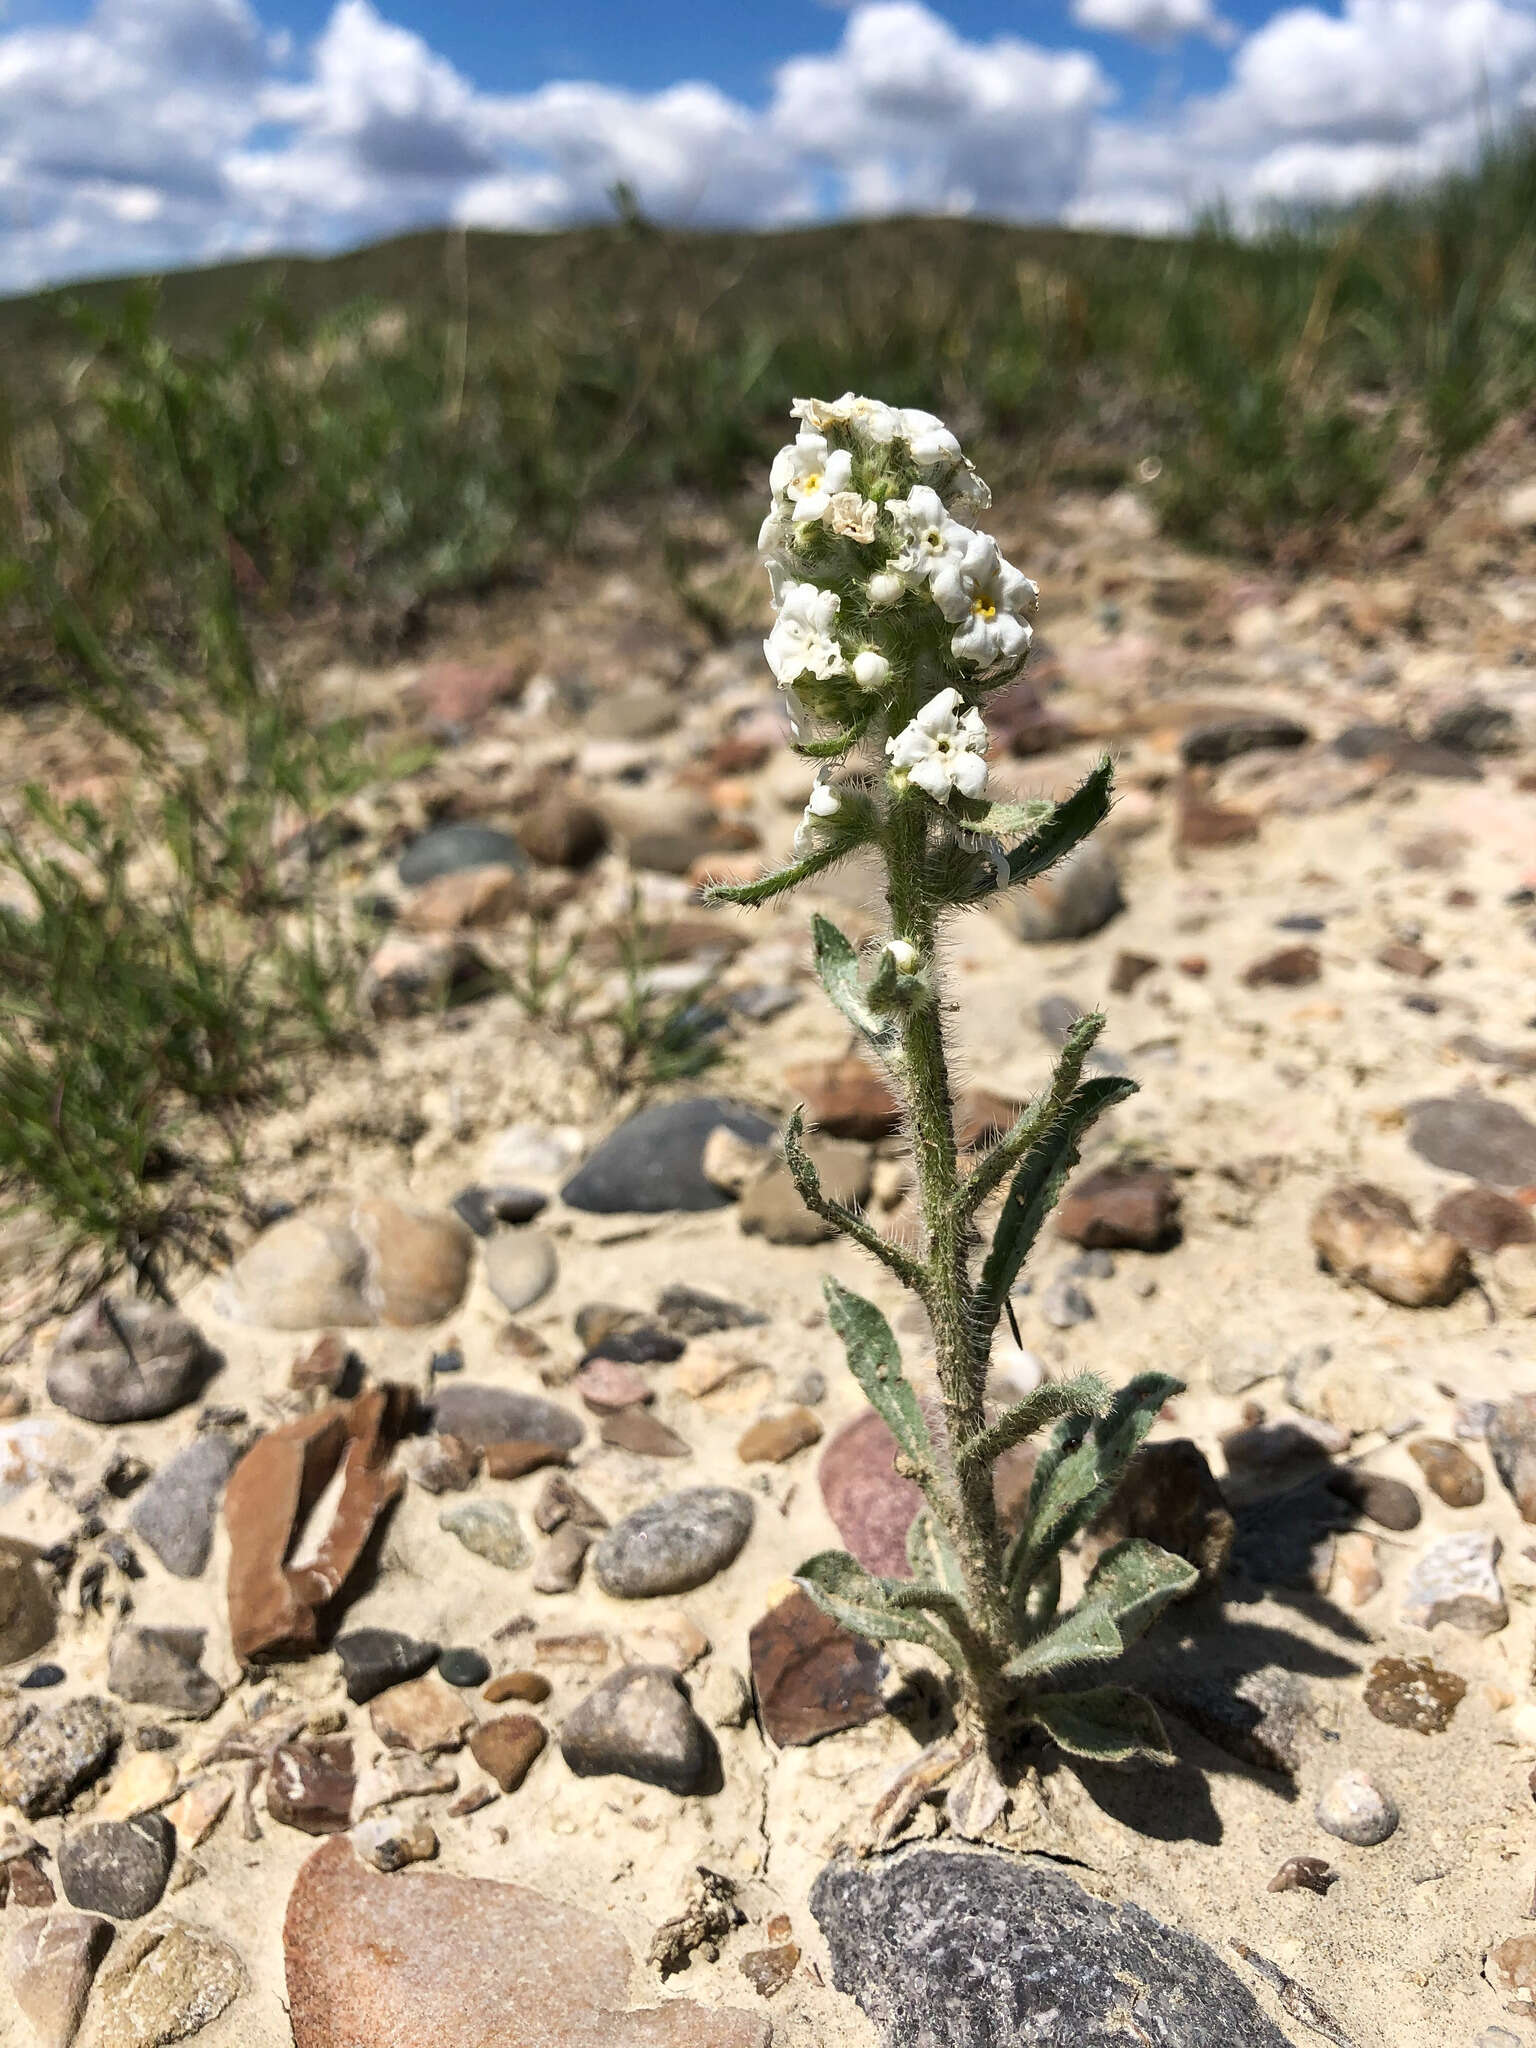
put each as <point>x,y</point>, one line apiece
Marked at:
<point>931,1554</point>
<point>1130,1587</point>
<point>837,968</point>
<point>1110,1724</point>
<point>874,1359</point>
<point>857,1599</point>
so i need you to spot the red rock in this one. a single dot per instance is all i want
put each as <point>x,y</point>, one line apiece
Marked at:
<point>1291,967</point>
<point>606,1386</point>
<point>310,1786</point>
<point>273,1611</point>
<point>1121,1208</point>
<point>845,1098</point>
<point>461,692</point>
<point>1484,1220</point>
<point>812,1676</point>
<point>519,1456</point>
<point>872,1505</point>
<point>507,1748</point>
<point>426,1960</point>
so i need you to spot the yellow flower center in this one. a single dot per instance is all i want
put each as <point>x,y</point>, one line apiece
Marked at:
<point>811,482</point>
<point>984,607</point>
<point>933,538</point>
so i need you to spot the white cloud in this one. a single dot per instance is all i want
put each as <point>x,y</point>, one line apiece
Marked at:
<point>1158,22</point>
<point>164,131</point>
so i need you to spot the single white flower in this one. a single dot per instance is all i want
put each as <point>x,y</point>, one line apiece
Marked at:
<point>801,641</point>
<point>809,474</point>
<point>776,536</point>
<point>943,749</point>
<point>986,598</point>
<point>871,419</point>
<point>885,588</point>
<point>870,670</point>
<point>852,516</point>
<point>823,803</point>
<point>904,954</point>
<point>926,535</point>
<point>926,435</point>
<point>967,492</point>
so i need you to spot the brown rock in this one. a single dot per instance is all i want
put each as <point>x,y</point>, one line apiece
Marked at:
<point>352,1265</point>
<point>461,692</point>
<point>426,1960</point>
<point>562,832</point>
<point>520,1456</point>
<point>1128,970</point>
<point>812,1677</point>
<point>442,1464</point>
<point>606,1387</point>
<point>1203,825</point>
<point>472,899</point>
<point>981,1116</point>
<point>531,1686</point>
<point>274,1610</point>
<point>1291,967</point>
<point>310,1786</point>
<point>845,1098</point>
<point>506,1748</point>
<point>420,1262</point>
<point>1511,1970</point>
<point>1169,1496</point>
<point>872,1505</point>
<point>561,1501</point>
<point>407,975</point>
<point>322,1368</point>
<point>26,1607</point>
<point>51,1963</point>
<point>1366,1234</point>
<point>778,1437</point>
<point>1410,960</point>
<point>768,1970</point>
<point>1512,1446</point>
<point>560,1563</point>
<point>1483,1219</point>
<point>636,1429</point>
<point>424,1715</point>
<point>1355,1570</point>
<point>1130,1208</point>
<point>1413,1692</point>
<point>1449,1472</point>
<point>29,1883</point>
<point>1389,1503</point>
<point>1303,1873</point>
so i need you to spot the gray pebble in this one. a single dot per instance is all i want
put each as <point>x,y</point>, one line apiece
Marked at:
<point>1064,1304</point>
<point>638,1724</point>
<point>119,1867</point>
<point>175,1513</point>
<point>520,1267</point>
<point>1357,1811</point>
<point>161,1667</point>
<point>490,1529</point>
<point>675,1543</point>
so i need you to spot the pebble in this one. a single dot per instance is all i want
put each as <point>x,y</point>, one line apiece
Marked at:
<point>1121,1208</point>
<point>561,1561</point>
<point>175,1513</point>
<point>373,1659</point>
<point>490,1529</point>
<point>1355,1565</point>
<point>1262,1717</point>
<point>674,1544</point>
<point>93,1374</point>
<point>1456,1581</point>
<point>636,1343</point>
<point>423,1715</point>
<point>310,1786</point>
<point>520,1267</point>
<point>1303,1873</point>
<point>1356,1810</point>
<point>772,1207</point>
<point>162,1667</point>
<point>198,1810</point>
<point>872,1505</point>
<point>118,1867</point>
<point>146,1781</point>
<point>845,1098</point>
<point>810,1389</point>
<point>1489,1141</point>
<point>606,1386</point>
<point>777,1437</point>
<point>50,1964</point>
<point>768,1970</point>
<point>453,849</point>
<point>652,1163</point>
<point>441,1464</point>
<point>507,1748</point>
<point>482,1416</point>
<point>1366,1234</point>
<point>1512,1446</point>
<point>53,1753</point>
<point>1076,898</point>
<point>1512,1275</point>
<point>480,898</point>
<point>1064,1305</point>
<point>1474,1419</point>
<point>531,1686</point>
<point>1290,967</point>
<point>402,1775</point>
<point>517,1459</point>
<point>1449,1473</point>
<point>406,976</point>
<point>165,1982</point>
<point>637,1430</point>
<point>561,832</point>
<point>26,1603</point>
<point>1350,1393</point>
<point>42,1677</point>
<point>638,1724</point>
<point>562,1501</point>
<point>1389,1503</point>
<point>1413,1693</point>
<point>1169,1496</point>
<point>463,1667</point>
<point>349,1265</point>
<point>459,693</point>
<point>390,1843</point>
<point>1221,740</point>
<point>465,1953</point>
<point>812,1677</point>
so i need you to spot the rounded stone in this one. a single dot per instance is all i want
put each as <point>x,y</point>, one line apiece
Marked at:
<point>1356,1810</point>
<point>95,1374</point>
<point>654,1161</point>
<point>481,1416</point>
<point>638,1724</point>
<point>26,1606</point>
<point>673,1544</point>
<point>118,1867</point>
<point>42,1676</point>
<point>450,849</point>
<point>463,1667</point>
<point>520,1267</point>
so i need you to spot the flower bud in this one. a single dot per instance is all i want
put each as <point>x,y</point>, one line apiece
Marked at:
<point>870,670</point>
<point>885,588</point>
<point>904,954</point>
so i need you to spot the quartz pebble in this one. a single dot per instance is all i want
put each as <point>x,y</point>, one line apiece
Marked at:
<point>389,1843</point>
<point>1356,1810</point>
<point>1413,1693</point>
<point>1456,1582</point>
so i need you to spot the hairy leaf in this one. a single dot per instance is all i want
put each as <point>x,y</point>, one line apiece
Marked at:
<point>874,1359</point>
<point>1052,831</point>
<point>1084,1394</point>
<point>1109,1724</point>
<point>837,968</point>
<point>857,1599</point>
<point>931,1554</point>
<point>1131,1586</point>
<point>1036,1187</point>
<point>1086,1635</point>
<point>766,887</point>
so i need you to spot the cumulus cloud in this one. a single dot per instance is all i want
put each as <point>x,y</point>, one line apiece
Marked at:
<point>165,131</point>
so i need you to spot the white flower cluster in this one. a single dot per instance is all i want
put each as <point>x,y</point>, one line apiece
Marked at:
<point>944,748</point>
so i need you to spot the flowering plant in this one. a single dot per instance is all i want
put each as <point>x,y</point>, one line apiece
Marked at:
<point>896,617</point>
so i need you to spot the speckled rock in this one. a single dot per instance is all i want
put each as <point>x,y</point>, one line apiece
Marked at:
<point>1356,1810</point>
<point>491,1529</point>
<point>175,1513</point>
<point>166,1983</point>
<point>674,1544</point>
<point>118,1867</point>
<point>95,1375</point>
<point>1413,1692</point>
<point>55,1753</point>
<point>1456,1582</point>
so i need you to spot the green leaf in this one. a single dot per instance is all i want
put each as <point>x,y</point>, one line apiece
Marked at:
<point>766,887</point>
<point>874,1359</point>
<point>1131,1586</point>
<point>1066,825</point>
<point>1086,1635</point>
<point>1000,820</point>
<point>1108,1724</point>
<point>858,1600</point>
<point>931,1555</point>
<point>837,969</point>
<point>1036,1187</point>
<point>1084,1394</point>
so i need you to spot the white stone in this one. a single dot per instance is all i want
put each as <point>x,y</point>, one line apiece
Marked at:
<point>1455,1581</point>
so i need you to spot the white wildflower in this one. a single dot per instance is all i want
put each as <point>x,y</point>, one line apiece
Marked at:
<point>802,640</point>
<point>967,492</point>
<point>927,536</point>
<point>871,671</point>
<point>986,598</point>
<point>824,802</point>
<point>809,474</point>
<point>903,954</point>
<point>871,419</point>
<point>885,588</point>
<point>776,536</point>
<point>943,748</point>
<point>852,516</point>
<point>926,435</point>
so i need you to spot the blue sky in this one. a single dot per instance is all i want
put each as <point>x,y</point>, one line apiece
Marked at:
<point>149,133</point>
